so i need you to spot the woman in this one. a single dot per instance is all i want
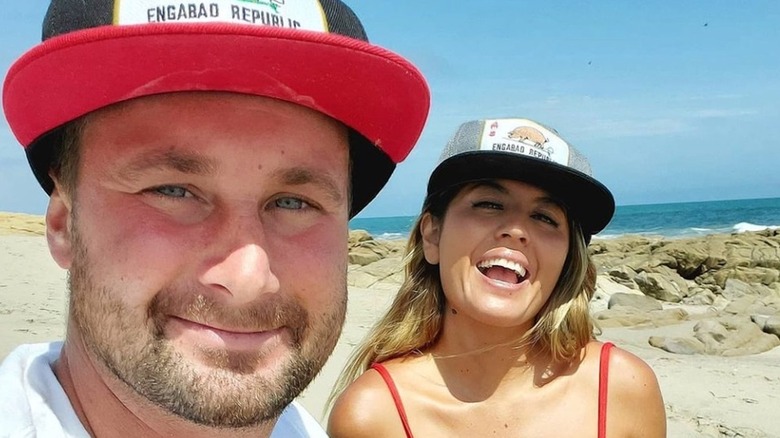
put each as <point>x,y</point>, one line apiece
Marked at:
<point>490,333</point>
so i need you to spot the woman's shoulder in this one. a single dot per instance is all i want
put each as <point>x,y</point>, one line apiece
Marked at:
<point>367,407</point>
<point>634,398</point>
<point>627,372</point>
<point>362,409</point>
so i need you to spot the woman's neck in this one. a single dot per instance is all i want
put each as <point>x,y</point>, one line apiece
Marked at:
<point>480,357</point>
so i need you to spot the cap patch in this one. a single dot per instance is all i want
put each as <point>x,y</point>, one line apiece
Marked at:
<point>524,137</point>
<point>291,14</point>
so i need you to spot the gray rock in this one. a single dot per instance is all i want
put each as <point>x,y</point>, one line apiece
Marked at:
<point>672,275</point>
<point>357,236</point>
<point>631,317</point>
<point>623,275</point>
<point>363,256</point>
<point>622,272</point>
<point>668,316</point>
<point>608,287</point>
<point>751,304</point>
<point>659,287</point>
<point>621,317</point>
<point>384,268</point>
<point>750,341</point>
<point>767,323</point>
<point>599,302</point>
<point>677,345</point>
<point>735,288</point>
<point>640,302</point>
<point>711,333</point>
<point>692,259</point>
<point>361,279</point>
<point>395,279</point>
<point>772,326</point>
<point>740,305</point>
<point>699,296</point>
<point>747,274</point>
<point>741,336</point>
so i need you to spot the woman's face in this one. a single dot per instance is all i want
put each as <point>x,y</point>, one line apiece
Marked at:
<point>500,248</point>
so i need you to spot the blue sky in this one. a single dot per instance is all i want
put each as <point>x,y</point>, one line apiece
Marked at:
<point>671,101</point>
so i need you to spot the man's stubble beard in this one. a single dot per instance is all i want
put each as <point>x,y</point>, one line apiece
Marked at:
<point>134,349</point>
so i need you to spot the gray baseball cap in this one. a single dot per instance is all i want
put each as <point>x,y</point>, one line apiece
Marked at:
<point>523,150</point>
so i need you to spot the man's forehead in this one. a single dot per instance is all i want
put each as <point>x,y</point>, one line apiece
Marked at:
<point>169,159</point>
<point>189,135</point>
<point>186,113</point>
<point>190,99</point>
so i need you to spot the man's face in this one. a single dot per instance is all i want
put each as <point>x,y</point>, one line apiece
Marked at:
<point>208,250</point>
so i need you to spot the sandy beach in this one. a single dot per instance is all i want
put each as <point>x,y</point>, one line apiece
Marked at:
<point>705,395</point>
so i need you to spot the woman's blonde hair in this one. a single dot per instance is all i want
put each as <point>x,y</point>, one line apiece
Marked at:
<point>414,320</point>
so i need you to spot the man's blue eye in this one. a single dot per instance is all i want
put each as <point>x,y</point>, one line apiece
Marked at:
<point>290,203</point>
<point>172,191</point>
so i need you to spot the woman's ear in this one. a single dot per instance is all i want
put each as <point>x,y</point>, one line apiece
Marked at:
<point>58,227</point>
<point>430,228</point>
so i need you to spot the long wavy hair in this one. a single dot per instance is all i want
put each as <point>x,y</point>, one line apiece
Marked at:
<point>414,320</point>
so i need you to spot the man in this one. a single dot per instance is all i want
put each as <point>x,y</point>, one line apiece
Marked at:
<point>202,161</point>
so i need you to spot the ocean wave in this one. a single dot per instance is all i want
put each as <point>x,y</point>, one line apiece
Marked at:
<point>612,236</point>
<point>391,236</point>
<point>681,233</point>
<point>747,226</point>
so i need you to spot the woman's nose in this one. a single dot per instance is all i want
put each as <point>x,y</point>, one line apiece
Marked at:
<point>513,228</point>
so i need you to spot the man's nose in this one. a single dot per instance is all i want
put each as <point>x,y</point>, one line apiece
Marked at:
<point>243,270</point>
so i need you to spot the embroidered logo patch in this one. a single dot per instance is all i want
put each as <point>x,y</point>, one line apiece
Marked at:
<point>524,137</point>
<point>292,14</point>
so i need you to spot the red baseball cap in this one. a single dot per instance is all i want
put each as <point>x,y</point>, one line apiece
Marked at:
<point>314,53</point>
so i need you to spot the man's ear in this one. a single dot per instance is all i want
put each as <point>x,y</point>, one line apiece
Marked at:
<point>430,228</point>
<point>58,227</point>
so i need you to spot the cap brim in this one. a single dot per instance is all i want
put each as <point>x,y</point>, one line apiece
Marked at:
<point>375,92</point>
<point>587,200</point>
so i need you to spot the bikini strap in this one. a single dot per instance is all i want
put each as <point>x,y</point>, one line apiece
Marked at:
<point>603,383</point>
<point>396,397</point>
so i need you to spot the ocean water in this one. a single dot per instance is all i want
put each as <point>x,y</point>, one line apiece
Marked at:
<point>685,219</point>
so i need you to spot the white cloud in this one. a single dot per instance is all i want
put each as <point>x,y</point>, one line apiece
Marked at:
<point>724,113</point>
<point>617,128</point>
<point>593,118</point>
